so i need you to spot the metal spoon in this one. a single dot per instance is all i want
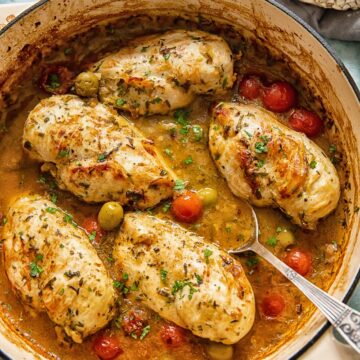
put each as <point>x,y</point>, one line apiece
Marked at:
<point>344,319</point>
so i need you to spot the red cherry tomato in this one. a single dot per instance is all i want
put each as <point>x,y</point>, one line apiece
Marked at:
<point>91,225</point>
<point>187,207</point>
<point>107,347</point>
<point>272,305</point>
<point>279,97</point>
<point>306,121</point>
<point>56,79</point>
<point>299,260</point>
<point>250,87</point>
<point>172,335</point>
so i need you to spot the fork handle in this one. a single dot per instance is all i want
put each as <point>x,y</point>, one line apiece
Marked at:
<point>344,319</point>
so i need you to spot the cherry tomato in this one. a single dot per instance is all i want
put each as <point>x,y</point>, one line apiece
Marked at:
<point>250,87</point>
<point>299,260</point>
<point>172,335</point>
<point>187,207</point>
<point>107,347</point>
<point>306,121</point>
<point>134,323</point>
<point>272,305</point>
<point>56,79</point>
<point>279,97</point>
<point>91,225</point>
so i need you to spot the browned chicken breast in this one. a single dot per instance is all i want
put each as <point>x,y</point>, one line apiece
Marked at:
<point>159,73</point>
<point>53,267</point>
<point>184,279</point>
<point>269,164</point>
<point>95,153</point>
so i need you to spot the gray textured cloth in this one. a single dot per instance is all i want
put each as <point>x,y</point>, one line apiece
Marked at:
<point>341,25</point>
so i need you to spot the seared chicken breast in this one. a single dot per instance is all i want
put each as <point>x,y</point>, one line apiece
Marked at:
<point>269,164</point>
<point>158,73</point>
<point>184,279</point>
<point>95,153</point>
<point>53,267</point>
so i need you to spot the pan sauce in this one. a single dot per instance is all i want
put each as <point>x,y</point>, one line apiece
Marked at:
<point>227,223</point>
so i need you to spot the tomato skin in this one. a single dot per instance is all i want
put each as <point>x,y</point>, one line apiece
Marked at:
<point>90,224</point>
<point>279,96</point>
<point>306,121</point>
<point>134,322</point>
<point>107,347</point>
<point>272,305</point>
<point>172,335</point>
<point>63,75</point>
<point>250,87</point>
<point>299,260</point>
<point>187,207</point>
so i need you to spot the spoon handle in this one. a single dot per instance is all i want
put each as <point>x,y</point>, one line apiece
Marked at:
<point>345,319</point>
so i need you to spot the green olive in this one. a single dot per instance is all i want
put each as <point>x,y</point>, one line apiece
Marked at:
<point>208,196</point>
<point>218,351</point>
<point>86,84</point>
<point>110,215</point>
<point>286,238</point>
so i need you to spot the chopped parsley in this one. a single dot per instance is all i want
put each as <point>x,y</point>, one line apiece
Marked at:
<point>279,229</point>
<point>313,164</point>
<point>260,163</point>
<point>69,219</point>
<point>35,269</point>
<point>92,236</point>
<point>189,160</point>
<point>260,147</point>
<point>271,241</point>
<point>199,279</point>
<point>4,220</point>
<point>179,285</point>
<point>166,207</point>
<point>120,102</point>
<point>166,56</point>
<point>125,276</point>
<point>332,148</point>
<point>207,254</point>
<point>53,198</point>
<point>118,284</point>
<point>252,261</point>
<point>163,275</point>
<point>181,116</point>
<point>145,331</point>
<point>224,83</point>
<point>198,132</point>
<point>54,81</point>
<point>64,153</point>
<point>168,152</point>
<point>157,100</point>
<point>179,185</point>
<point>102,157</point>
<point>51,210</point>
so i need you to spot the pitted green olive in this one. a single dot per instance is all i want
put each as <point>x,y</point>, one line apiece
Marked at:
<point>218,351</point>
<point>208,196</point>
<point>86,84</point>
<point>110,215</point>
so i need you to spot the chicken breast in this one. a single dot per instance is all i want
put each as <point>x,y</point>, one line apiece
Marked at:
<point>158,73</point>
<point>53,267</point>
<point>269,164</point>
<point>95,153</point>
<point>184,279</point>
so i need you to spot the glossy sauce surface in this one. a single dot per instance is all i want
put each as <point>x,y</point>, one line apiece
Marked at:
<point>227,223</point>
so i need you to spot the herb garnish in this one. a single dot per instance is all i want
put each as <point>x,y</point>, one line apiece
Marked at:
<point>188,160</point>
<point>163,275</point>
<point>51,210</point>
<point>179,185</point>
<point>120,102</point>
<point>252,261</point>
<point>260,147</point>
<point>207,254</point>
<point>179,286</point>
<point>145,331</point>
<point>271,241</point>
<point>313,164</point>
